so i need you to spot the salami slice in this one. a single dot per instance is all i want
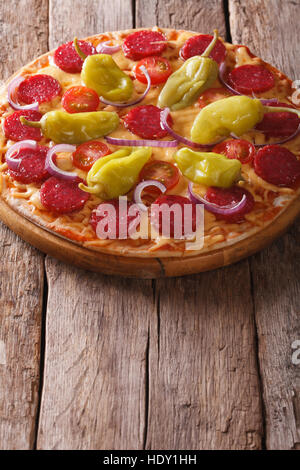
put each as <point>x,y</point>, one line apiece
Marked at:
<point>279,124</point>
<point>62,197</point>
<point>142,44</point>
<point>32,166</point>
<point>144,121</point>
<point>277,165</point>
<point>170,200</point>
<point>116,221</point>
<point>251,79</point>
<point>14,130</point>
<point>226,197</point>
<point>196,45</point>
<point>67,59</point>
<point>38,88</point>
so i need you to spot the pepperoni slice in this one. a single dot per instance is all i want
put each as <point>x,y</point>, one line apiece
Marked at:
<point>170,200</point>
<point>251,79</point>
<point>196,45</point>
<point>144,121</point>
<point>67,59</point>
<point>32,166</point>
<point>14,130</point>
<point>281,124</point>
<point>277,165</point>
<point>38,88</point>
<point>226,197</point>
<point>142,44</point>
<point>61,197</point>
<point>113,222</point>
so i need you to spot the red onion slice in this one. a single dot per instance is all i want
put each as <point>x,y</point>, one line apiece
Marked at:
<point>141,143</point>
<point>140,188</point>
<point>103,48</point>
<point>53,169</point>
<point>222,71</point>
<point>137,100</point>
<point>214,208</point>
<point>164,125</point>
<point>279,142</point>
<point>11,96</point>
<point>13,151</point>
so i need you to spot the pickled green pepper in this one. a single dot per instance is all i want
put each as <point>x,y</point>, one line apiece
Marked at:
<point>185,85</point>
<point>62,127</point>
<point>101,73</point>
<point>114,175</point>
<point>211,169</point>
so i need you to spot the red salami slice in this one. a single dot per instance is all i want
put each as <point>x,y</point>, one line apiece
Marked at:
<point>32,167</point>
<point>279,124</point>
<point>196,45</point>
<point>226,197</point>
<point>116,221</point>
<point>277,165</point>
<point>142,44</point>
<point>170,200</point>
<point>251,79</point>
<point>67,59</point>
<point>14,130</point>
<point>144,121</point>
<point>38,88</point>
<point>61,197</point>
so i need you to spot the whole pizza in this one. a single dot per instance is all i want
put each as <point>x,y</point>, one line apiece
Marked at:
<point>130,128</point>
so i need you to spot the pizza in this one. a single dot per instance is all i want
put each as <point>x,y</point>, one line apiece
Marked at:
<point>156,116</point>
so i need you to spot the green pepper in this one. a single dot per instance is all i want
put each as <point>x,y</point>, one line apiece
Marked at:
<point>62,127</point>
<point>114,175</point>
<point>208,168</point>
<point>101,73</point>
<point>185,85</point>
<point>237,114</point>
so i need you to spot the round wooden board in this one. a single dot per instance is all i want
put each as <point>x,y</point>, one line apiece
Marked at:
<point>147,268</point>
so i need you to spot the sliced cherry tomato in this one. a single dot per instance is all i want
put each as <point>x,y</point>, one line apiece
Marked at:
<point>238,149</point>
<point>80,99</point>
<point>164,172</point>
<point>158,68</point>
<point>213,94</point>
<point>87,153</point>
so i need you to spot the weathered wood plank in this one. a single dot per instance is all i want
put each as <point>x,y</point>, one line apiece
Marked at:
<point>203,381</point>
<point>97,327</point>
<point>181,14</point>
<point>270,29</point>
<point>21,277</point>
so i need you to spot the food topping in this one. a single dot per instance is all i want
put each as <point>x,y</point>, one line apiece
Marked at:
<point>207,168</point>
<point>239,149</point>
<point>67,59</point>
<point>88,153</point>
<point>38,88</point>
<point>229,197</point>
<point>277,165</point>
<point>15,130</point>
<point>144,121</point>
<point>186,84</point>
<point>250,78</point>
<point>159,69</point>
<point>61,196</point>
<point>142,44</point>
<point>80,99</point>
<point>31,168</point>
<point>196,45</point>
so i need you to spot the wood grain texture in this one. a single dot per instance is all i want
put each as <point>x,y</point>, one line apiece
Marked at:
<point>21,279</point>
<point>97,327</point>
<point>203,383</point>
<point>181,14</point>
<point>95,361</point>
<point>204,391</point>
<point>71,18</point>
<point>275,271</point>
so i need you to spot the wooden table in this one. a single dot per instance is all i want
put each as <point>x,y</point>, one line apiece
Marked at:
<point>202,362</point>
